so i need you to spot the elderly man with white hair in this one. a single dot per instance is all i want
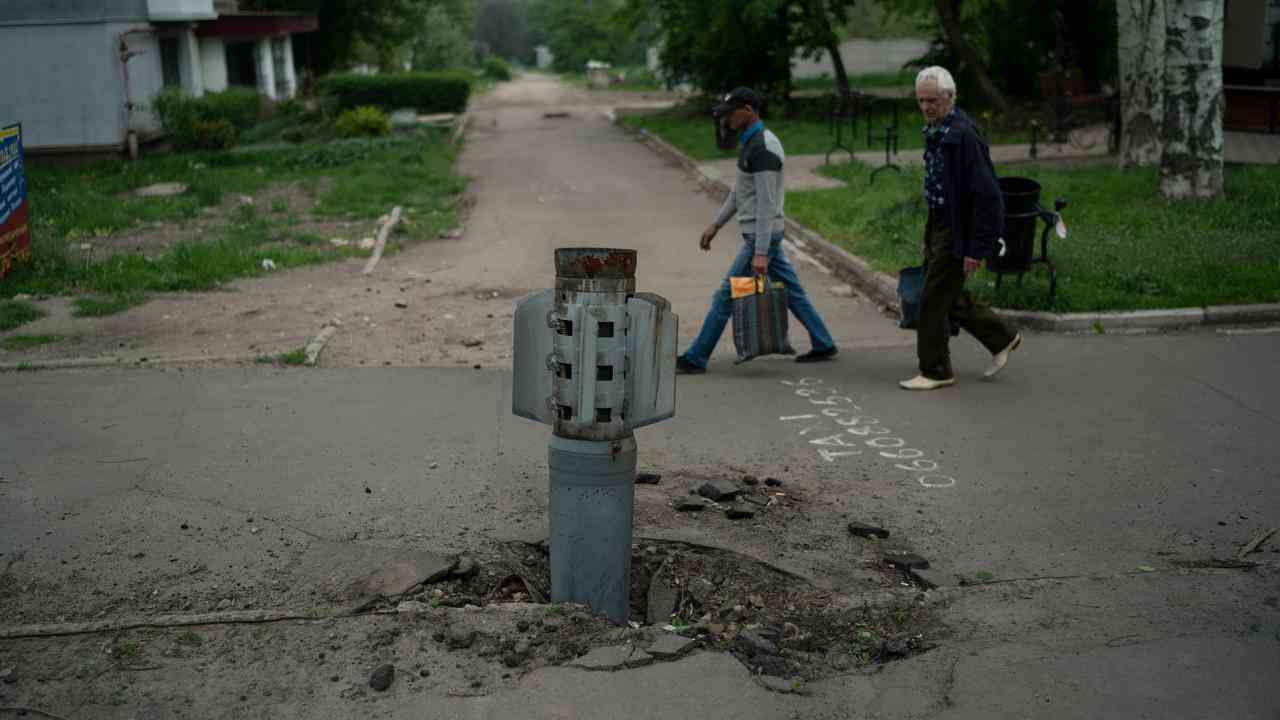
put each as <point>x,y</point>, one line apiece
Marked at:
<point>966,217</point>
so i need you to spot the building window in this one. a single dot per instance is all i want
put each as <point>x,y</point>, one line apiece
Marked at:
<point>169,62</point>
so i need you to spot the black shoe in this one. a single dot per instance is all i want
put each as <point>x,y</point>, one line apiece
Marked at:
<point>814,356</point>
<point>684,367</point>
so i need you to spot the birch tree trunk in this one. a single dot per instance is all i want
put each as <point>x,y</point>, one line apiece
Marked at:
<point>1142,65</point>
<point>1191,164</point>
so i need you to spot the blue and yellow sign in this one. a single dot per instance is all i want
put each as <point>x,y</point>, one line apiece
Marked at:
<point>15,237</point>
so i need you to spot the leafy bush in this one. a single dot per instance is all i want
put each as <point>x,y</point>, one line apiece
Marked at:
<point>363,121</point>
<point>215,135</point>
<point>425,92</point>
<point>211,122</point>
<point>239,106</point>
<point>291,107</point>
<point>495,68</point>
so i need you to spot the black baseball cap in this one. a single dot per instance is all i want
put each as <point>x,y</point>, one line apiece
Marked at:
<point>736,98</point>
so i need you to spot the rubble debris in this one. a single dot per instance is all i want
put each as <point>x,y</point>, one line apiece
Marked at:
<point>662,595</point>
<point>670,647</point>
<point>867,531</point>
<point>460,638</point>
<point>467,567</point>
<point>647,478</point>
<point>719,490</point>
<point>614,657</point>
<point>906,560</point>
<point>382,678</point>
<point>739,512</point>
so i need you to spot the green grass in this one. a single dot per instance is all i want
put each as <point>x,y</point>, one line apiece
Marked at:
<point>102,306</point>
<point>294,357</point>
<point>18,343</point>
<point>15,313</point>
<point>689,128</point>
<point>1127,250</point>
<point>362,179</point>
<point>904,79</point>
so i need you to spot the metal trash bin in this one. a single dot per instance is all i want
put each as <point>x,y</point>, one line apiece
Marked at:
<point>1015,252</point>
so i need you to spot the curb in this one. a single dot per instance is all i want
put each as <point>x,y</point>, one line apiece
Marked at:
<point>883,289</point>
<point>111,361</point>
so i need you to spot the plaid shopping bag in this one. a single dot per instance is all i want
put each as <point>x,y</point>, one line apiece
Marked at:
<point>759,318</point>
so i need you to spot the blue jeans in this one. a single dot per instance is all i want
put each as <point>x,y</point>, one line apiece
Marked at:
<point>780,270</point>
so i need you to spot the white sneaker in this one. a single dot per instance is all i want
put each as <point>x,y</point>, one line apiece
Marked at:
<point>921,382</point>
<point>1000,359</point>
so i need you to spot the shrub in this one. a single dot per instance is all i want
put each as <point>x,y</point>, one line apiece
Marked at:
<point>211,122</point>
<point>363,121</point>
<point>215,135</point>
<point>239,106</point>
<point>425,92</point>
<point>495,68</point>
<point>291,107</point>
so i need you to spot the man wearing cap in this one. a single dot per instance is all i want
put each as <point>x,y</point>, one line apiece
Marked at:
<point>757,199</point>
<point>966,218</point>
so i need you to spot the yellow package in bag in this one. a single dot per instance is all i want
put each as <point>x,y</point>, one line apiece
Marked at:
<point>740,287</point>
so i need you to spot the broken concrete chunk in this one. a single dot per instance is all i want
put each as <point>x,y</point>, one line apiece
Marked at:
<point>397,577</point>
<point>740,512</point>
<point>867,531</point>
<point>466,567</point>
<point>614,657</point>
<point>381,678</point>
<point>752,644</point>
<point>670,647</point>
<point>719,490</point>
<point>691,505</point>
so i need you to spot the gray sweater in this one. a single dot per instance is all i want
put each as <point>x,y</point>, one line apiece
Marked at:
<point>758,193</point>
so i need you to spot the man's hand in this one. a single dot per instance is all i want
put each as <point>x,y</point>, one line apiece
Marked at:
<point>707,236</point>
<point>760,263</point>
<point>971,265</point>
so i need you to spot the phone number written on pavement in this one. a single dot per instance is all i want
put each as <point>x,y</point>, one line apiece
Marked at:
<point>842,429</point>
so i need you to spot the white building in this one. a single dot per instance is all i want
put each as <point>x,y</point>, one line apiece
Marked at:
<point>83,73</point>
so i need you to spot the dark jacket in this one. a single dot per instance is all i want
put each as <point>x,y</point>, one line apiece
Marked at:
<point>974,204</point>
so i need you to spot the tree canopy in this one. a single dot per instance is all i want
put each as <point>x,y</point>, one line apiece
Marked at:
<point>351,29</point>
<point>719,45</point>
